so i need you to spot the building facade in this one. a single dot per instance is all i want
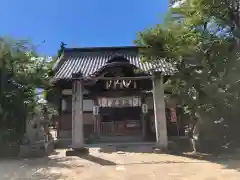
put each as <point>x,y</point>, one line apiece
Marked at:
<point>110,92</point>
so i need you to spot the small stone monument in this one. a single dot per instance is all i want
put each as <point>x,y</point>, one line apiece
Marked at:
<point>37,140</point>
<point>49,141</point>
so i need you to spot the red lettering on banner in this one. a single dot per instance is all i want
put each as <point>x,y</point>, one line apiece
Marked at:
<point>173,115</point>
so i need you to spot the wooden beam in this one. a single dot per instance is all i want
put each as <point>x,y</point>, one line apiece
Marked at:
<point>116,78</point>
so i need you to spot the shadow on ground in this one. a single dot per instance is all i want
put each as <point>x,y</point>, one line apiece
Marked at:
<point>228,161</point>
<point>104,162</point>
<point>181,145</point>
<point>126,149</point>
<point>58,165</point>
<point>36,168</point>
<point>98,160</point>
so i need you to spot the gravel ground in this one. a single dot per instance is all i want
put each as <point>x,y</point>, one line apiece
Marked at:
<point>117,165</point>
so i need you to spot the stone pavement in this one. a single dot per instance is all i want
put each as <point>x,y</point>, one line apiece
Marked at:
<point>118,165</point>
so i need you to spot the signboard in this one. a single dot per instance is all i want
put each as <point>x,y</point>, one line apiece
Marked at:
<point>173,115</point>
<point>119,102</point>
<point>121,84</point>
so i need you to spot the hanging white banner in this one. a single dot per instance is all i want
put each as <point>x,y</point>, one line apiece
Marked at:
<point>119,102</point>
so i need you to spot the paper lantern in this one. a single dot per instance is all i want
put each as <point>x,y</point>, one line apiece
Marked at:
<point>95,110</point>
<point>145,108</point>
<point>64,105</point>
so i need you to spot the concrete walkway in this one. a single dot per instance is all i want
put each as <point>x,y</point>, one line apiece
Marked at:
<point>118,165</point>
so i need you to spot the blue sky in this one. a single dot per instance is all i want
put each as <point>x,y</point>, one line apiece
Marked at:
<point>79,23</point>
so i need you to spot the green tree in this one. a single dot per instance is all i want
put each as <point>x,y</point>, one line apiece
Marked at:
<point>22,71</point>
<point>201,37</point>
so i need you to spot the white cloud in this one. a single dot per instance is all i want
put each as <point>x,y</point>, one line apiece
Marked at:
<point>178,3</point>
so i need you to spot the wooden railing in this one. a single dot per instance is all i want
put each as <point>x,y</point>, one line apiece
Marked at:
<point>120,128</point>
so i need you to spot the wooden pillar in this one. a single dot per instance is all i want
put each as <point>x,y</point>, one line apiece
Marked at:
<point>96,120</point>
<point>77,115</point>
<point>143,116</point>
<point>95,125</point>
<point>98,125</point>
<point>94,117</point>
<point>159,111</point>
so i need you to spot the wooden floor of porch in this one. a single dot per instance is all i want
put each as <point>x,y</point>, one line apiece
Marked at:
<point>116,139</point>
<point>110,143</point>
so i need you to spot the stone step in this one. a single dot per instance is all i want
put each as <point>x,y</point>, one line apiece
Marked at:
<point>116,139</point>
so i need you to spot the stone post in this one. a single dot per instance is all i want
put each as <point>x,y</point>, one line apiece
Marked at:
<point>159,111</point>
<point>77,115</point>
<point>77,119</point>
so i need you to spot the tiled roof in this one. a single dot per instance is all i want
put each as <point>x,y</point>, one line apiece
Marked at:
<point>88,60</point>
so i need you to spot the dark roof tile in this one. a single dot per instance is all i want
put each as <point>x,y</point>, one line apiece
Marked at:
<point>87,62</point>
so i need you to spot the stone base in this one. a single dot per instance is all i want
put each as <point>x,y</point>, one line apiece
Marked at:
<point>77,152</point>
<point>32,150</point>
<point>49,147</point>
<point>160,150</point>
<point>37,149</point>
